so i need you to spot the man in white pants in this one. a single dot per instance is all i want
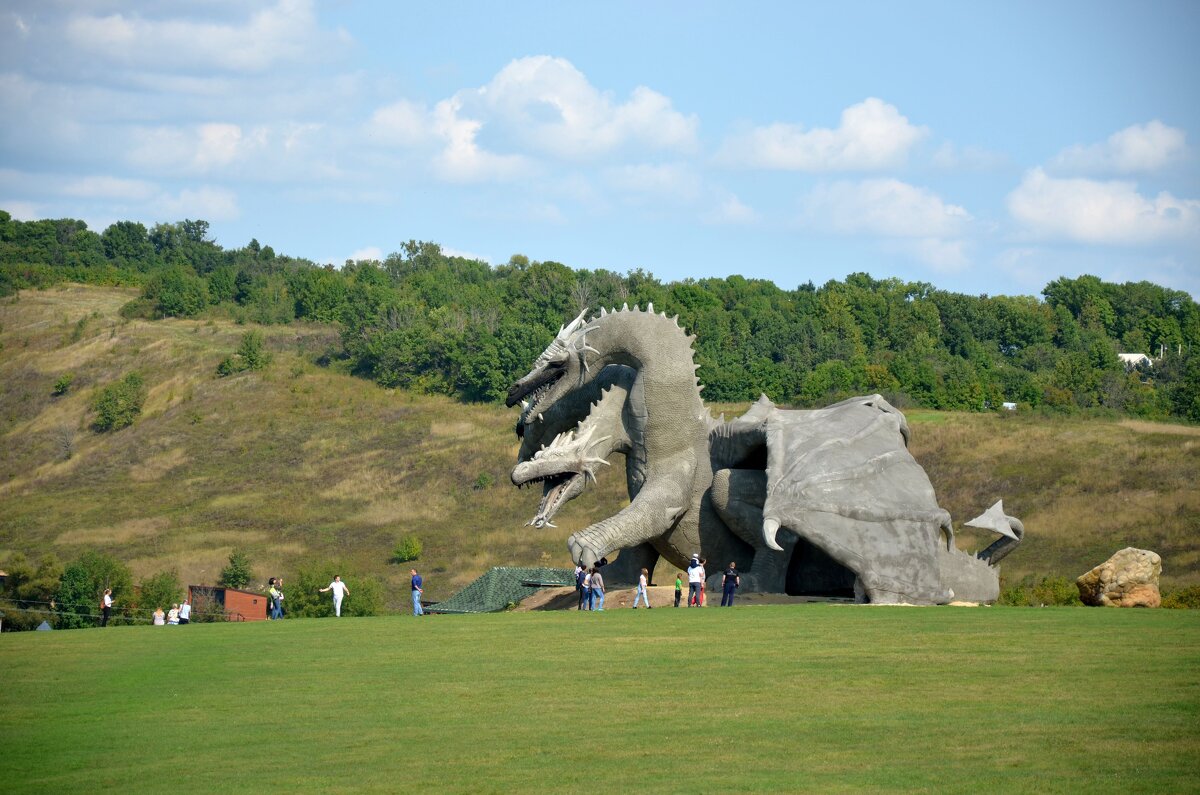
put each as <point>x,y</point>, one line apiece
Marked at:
<point>339,590</point>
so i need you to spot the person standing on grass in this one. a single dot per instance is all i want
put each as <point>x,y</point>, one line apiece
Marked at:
<point>581,587</point>
<point>729,584</point>
<point>641,590</point>
<point>587,588</point>
<point>273,599</point>
<point>339,590</point>
<point>695,579</point>
<point>703,579</point>
<point>678,587</point>
<point>185,612</point>
<point>417,590</point>
<point>598,589</point>
<point>106,605</point>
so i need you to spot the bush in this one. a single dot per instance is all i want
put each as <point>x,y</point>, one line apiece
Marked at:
<point>302,597</point>
<point>177,292</point>
<point>238,572</point>
<point>250,355</point>
<point>119,404</point>
<point>82,586</point>
<point>63,384</point>
<point>161,590</point>
<point>1183,599</point>
<point>138,308</point>
<point>1048,591</point>
<point>408,549</point>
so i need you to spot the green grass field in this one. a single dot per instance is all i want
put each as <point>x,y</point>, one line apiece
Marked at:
<point>816,698</point>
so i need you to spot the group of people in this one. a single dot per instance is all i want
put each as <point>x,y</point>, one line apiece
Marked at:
<point>275,599</point>
<point>589,585</point>
<point>178,614</point>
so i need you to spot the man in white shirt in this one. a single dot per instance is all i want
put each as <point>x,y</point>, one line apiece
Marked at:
<point>185,612</point>
<point>339,590</point>
<point>695,581</point>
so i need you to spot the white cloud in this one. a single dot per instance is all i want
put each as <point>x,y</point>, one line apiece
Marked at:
<point>462,159</point>
<point>401,123</point>
<point>873,135</point>
<point>912,220</point>
<point>886,207</point>
<point>110,188</point>
<point>1141,148</point>
<point>286,32</point>
<point>546,104</point>
<point>199,149</point>
<point>22,210</point>
<point>1091,211</point>
<point>211,204</point>
<point>731,210</point>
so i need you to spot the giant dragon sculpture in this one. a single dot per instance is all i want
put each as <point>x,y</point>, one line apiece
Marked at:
<point>830,495</point>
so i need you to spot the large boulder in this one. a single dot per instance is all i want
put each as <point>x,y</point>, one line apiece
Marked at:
<point>1127,579</point>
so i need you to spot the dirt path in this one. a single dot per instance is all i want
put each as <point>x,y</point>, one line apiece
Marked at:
<point>660,596</point>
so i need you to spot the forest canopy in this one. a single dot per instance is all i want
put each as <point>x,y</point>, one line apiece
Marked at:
<point>426,321</point>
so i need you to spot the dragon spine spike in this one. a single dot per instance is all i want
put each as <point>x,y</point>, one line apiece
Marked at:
<point>650,307</point>
<point>625,307</point>
<point>603,312</point>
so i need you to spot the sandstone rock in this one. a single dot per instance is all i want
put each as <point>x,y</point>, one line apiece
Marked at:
<point>1127,579</point>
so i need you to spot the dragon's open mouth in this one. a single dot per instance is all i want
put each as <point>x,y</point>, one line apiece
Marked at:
<point>535,389</point>
<point>557,489</point>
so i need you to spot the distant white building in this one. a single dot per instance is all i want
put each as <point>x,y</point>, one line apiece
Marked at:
<point>1132,360</point>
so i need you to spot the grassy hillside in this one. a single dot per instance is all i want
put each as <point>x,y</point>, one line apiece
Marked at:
<point>805,698</point>
<point>300,462</point>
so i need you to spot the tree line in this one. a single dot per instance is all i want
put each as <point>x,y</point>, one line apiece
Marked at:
<point>426,321</point>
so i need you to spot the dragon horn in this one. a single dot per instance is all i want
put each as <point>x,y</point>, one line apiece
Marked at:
<point>770,529</point>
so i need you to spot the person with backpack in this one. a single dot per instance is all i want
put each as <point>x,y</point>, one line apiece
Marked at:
<point>580,588</point>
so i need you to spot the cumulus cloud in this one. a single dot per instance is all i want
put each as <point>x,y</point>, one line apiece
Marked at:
<point>872,135</point>
<point>534,108</point>
<point>912,219</point>
<point>1103,212</point>
<point>197,149</point>
<point>1141,148</point>
<point>547,104</point>
<point>731,210</point>
<point>286,32</point>
<point>213,204</point>
<point>886,207</point>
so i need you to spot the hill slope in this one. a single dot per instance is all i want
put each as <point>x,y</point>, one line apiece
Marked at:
<point>300,462</point>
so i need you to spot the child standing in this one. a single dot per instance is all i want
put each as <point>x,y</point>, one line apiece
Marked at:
<point>678,587</point>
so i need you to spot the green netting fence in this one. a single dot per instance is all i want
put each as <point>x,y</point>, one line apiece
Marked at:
<point>502,586</point>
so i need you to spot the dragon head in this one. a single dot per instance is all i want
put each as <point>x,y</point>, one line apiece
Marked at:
<point>563,467</point>
<point>559,369</point>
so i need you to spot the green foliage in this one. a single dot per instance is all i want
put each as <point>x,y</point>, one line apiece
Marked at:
<point>303,599</point>
<point>484,481</point>
<point>433,323</point>
<point>160,590</point>
<point>1047,591</point>
<point>250,355</point>
<point>408,549</point>
<point>81,588</point>
<point>238,572</point>
<point>1183,599</point>
<point>62,384</point>
<point>119,404</point>
<point>28,590</point>
<point>138,308</point>
<point>177,292</point>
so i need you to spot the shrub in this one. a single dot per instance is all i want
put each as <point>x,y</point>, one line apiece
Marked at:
<point>1046,592</point>
<point>1183,599</point>
<point>302,597</point>
<point>82,585</point>
<point>138,308</point>
<point>119,404</point>
<point>63,384</point>
<point>238,572</point>
<point>250,355</point>
<point>177,292</point>
<point>408,549</point>
<point>161,590</point>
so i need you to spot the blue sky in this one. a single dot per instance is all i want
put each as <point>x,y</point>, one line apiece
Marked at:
<point>982,147</point>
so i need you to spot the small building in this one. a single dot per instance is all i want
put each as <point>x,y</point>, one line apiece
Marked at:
<point>1132,360</point>
<point>238,605</point>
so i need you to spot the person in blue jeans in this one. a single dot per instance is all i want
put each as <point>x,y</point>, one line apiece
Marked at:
<point>417,590</point>
<point>598,589</point>
<point>730,583</point>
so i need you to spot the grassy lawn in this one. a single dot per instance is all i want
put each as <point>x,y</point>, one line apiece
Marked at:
<point>818,698</point>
